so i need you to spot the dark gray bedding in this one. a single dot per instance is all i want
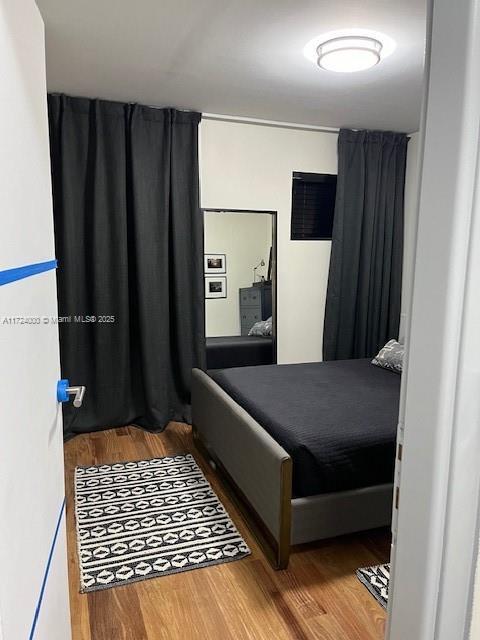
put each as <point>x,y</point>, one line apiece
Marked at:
<point>337,420</point>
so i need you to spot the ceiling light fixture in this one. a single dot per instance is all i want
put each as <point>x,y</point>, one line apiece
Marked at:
<point>349,50</point>
<point>348,54</point>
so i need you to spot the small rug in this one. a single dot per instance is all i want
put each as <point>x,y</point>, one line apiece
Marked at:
<point>138,520</point>
<point>376,580</point>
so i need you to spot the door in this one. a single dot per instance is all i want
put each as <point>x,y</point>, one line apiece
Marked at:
<point>33,567</point>
<point>435,528</point>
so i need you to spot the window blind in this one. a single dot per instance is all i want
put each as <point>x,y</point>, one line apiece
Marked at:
<point>313,205</point>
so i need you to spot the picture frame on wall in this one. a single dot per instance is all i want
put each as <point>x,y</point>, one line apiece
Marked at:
<point>215,263</point>
<point>215,287</point>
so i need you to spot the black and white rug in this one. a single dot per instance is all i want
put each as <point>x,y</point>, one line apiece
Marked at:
<point>138,520</point>
<point>376,580</point>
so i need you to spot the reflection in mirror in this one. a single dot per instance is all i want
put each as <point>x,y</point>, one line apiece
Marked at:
<point>238,265</point>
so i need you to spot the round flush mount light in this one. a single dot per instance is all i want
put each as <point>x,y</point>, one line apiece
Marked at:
<point>348,51</point>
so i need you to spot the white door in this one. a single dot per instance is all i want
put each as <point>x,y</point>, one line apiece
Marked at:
<point>33,566</point>
<point>436,535</point>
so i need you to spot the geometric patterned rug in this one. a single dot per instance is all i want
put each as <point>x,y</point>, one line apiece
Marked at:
<point>376,579</point>
<point>139,520</point>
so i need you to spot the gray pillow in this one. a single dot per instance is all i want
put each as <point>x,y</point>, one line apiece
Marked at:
<point>262,328</point>
<point>390,357</point>
<point>268,327</point>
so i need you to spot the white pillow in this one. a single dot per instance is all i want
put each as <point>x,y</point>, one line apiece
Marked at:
<point>262,328</point>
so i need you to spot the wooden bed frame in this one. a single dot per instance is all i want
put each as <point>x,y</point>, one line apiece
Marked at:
<point>259,471</point>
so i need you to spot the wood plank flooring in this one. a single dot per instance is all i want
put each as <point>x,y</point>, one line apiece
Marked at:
<point>318,597</point>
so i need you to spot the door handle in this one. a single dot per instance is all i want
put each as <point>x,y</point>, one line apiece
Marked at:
<point>64,391</point>
<point>78,393</point>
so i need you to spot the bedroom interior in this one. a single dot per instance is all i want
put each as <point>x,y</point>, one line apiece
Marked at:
<point>245,347</point>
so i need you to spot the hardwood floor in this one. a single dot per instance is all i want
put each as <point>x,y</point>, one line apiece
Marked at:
<point>318,597</point>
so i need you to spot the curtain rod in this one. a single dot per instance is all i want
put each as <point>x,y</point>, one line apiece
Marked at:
<point>278,123</point>
<point>256,121</point>
<point>268,123</point>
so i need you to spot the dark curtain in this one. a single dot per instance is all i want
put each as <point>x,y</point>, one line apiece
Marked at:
<point>365,279</point>
<point>129,242</point>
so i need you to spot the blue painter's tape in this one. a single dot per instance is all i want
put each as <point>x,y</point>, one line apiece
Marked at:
<point>47,571</point>
<point>62,393</point>
<point>11,275</point>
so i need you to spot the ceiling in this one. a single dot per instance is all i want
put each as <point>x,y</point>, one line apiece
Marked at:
<point>237,57</point>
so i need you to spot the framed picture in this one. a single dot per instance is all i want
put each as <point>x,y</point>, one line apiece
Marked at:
<point>215,287</point>
<point>215,263</point>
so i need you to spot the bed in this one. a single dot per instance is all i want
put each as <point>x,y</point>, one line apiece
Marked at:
<point>239,351</point>
<point>308,448</point>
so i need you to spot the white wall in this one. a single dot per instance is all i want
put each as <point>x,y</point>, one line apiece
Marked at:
<point>411,216</point>
<point>245,239</point>
<point>475,627</point>
<point>245,166</point>
<point>248,166</point>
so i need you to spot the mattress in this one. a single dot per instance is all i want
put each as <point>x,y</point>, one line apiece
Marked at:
<point>239,351</point>
<point>337,420</point>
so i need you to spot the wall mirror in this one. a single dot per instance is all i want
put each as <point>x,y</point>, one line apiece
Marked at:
<point>240,287</point>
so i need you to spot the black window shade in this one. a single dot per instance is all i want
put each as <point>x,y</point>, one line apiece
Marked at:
<point>313,205</point>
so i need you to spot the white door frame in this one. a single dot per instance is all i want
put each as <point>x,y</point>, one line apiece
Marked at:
<point>435,541</point>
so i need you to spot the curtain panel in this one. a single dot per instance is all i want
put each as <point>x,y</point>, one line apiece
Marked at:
<point>129,242</point>
<point>365,278</point>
